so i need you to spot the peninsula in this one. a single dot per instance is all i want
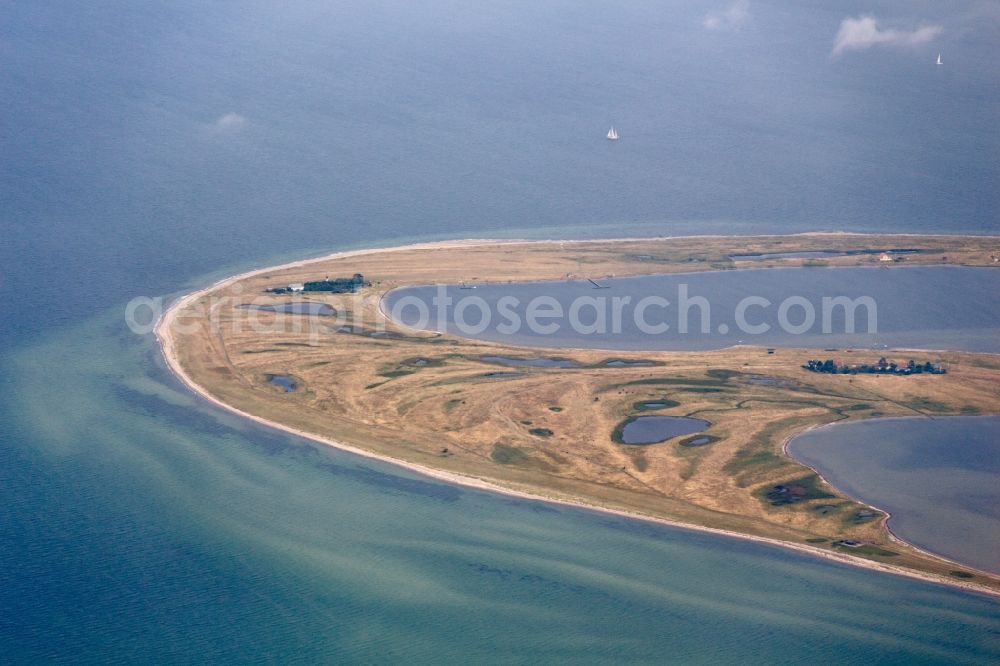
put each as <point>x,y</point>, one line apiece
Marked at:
<point>492,416</point>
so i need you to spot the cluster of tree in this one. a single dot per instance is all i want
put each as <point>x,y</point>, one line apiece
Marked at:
<point>883,367</point>
<point>337,285</point>
<point>334,285</point>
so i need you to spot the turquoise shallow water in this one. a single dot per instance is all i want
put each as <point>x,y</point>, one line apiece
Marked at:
<point>139,522</point>
<point>147,145</point>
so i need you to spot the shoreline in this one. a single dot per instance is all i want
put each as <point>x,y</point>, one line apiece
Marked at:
<point>888,514</point>
<point>163,333</point>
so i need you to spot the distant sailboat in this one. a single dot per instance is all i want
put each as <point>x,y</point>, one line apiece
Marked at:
<point>939,59</point>
<point>612,134</point>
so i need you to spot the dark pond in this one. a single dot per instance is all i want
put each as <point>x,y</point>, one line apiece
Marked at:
<point>628,363</point>
<point>808,254</point>
<point>531,362</point>
<point>283,381</point>
<point>653,429</point>
<point>655,404</point>
<point>813,254</point>
<point>763,380</point>
<point>298,308</point>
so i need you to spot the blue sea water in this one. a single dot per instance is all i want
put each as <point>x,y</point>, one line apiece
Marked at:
<point>149,148</point>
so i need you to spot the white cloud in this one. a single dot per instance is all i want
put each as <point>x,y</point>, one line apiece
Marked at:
<point>857,34</point>
<point>229,122</point>
<point>730,18</point>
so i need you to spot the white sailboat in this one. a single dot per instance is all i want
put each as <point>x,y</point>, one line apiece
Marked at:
<point>939,59</point>
<point>612,134</point>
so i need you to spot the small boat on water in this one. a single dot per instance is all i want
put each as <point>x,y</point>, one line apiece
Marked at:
<point>612,134</point>
<point>939,59</point>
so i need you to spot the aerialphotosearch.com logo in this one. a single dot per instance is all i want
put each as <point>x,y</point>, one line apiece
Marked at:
<point>652,315</point>
<point>448,309</point>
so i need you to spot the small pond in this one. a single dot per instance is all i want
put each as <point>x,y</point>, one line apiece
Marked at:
<point>814,254</point>
<point>699,441</point>
<point>298,308</point>
<point>531,362</point>
<point>628,363</point>
<point>805,254</point>
<point>288,384</point>
<point>764,380</point>
<point>654,429</point>
<point>646,405</point>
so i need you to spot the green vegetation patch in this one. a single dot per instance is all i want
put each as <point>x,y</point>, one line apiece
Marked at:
<point>825,509</point>
<point>861,516</point>
<point>746,459</point>
<point>541,432</point>
<point>507,455</point>
<point>793,492</point>
<point>392,374</point>
<point>555,409</point>
<point>924,404</point>
<point>618,434</point>
<point>673,381</point>
<point>868,549</point>
<point>422,362</point>
<point>522,457</point>
<point>758,460</point>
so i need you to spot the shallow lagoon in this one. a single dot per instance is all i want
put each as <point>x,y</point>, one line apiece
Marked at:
<point>939,478</point>
<point>925,307</point>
